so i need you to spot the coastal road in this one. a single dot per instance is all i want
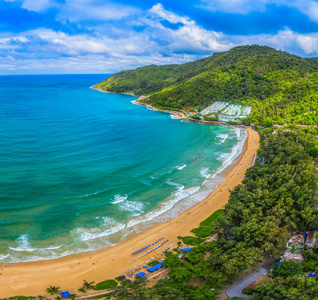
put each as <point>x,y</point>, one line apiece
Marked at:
<point>236,289</point>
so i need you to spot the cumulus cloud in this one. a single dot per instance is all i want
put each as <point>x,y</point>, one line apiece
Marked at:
<point>37,5</point>
<point>189,36</point>
<point>309,8</point>
<point>283,40</point>
<point>110,37</point>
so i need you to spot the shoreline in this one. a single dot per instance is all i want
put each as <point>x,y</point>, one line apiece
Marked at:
<point>32,278</point>
<point>97,89</point>
<point>179,114</point>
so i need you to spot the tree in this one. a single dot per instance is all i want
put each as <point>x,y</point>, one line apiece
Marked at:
<point>53,290</point>
<point>88,285</point>
<point>287,288</point>
<point>238,260</point>
<point>286,269</point>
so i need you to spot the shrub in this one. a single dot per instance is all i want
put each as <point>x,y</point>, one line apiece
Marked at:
<point>107,284</point>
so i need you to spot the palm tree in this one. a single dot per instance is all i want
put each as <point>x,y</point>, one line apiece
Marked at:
<point>53,290</point>
<point>88,285</point>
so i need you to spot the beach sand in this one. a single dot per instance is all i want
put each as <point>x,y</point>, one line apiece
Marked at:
<point>32,278</point>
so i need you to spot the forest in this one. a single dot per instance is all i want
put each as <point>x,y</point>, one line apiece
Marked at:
<point>276,199</point>
<point>279,86</point>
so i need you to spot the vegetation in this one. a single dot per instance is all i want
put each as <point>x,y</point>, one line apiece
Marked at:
<point>287,269</point>
<point>279,86</point>
<point>88,285</point>
<point>290,288</point>
<point>276,198</point>
<point>206,227</point>
<point>192,240</point>
<point>289,279</point>
<point>53,290</point>
<point>107,284</point>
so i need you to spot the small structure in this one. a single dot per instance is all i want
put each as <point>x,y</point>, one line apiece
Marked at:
<point>66,294</point>
<point>294,248</point>
<point>186,249</point>
<point>311,240</point>
<point>141,274</point>
<point>155,267</point>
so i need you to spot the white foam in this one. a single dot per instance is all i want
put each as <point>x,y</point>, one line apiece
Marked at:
<point>93,194</point>
<point>52,248</point>
<point>94,233</point>
<point>177,185</point>
<point>179,195</point>
<point>132,206</point>
<point>2,256</point>
<point>223,156</point>
<point>181,167</point>
<point>23,244</point>
<point>223,137</point>
<point>205,172</point>
<point>237,131</point>
<point>119,199</point>
<point>228,158</point>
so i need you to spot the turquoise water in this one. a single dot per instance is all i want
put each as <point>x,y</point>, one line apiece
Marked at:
<point>81,169</point>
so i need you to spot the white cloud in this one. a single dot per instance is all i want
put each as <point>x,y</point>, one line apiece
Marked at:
<point>189,36</point>
<point>308,43</point>
<point>164,37</point>
<point>307,7</point>
<point>77,10</point>
<point>284,40</point>
<point>39,5</point>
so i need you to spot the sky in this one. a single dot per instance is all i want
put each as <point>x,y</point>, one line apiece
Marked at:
<point>101,36</point>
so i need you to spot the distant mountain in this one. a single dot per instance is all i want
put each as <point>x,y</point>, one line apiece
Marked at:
<point>279,86</point>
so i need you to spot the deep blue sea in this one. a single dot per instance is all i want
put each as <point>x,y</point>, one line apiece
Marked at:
<point>81,169</point>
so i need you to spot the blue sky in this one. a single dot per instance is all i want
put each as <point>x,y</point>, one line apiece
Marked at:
<point>101,36</point>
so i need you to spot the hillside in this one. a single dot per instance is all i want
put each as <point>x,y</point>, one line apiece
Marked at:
<point>279,86</point>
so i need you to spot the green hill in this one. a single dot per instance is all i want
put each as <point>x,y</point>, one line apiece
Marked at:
<point>279,86</point>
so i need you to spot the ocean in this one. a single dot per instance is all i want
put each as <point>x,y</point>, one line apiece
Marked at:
<point>81,169</point>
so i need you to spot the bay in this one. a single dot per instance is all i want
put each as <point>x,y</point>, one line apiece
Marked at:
<point>81,169</point>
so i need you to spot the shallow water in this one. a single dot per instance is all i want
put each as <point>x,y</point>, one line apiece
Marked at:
<point>81,169</point>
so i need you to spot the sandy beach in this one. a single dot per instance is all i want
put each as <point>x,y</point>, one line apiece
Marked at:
<point>32,278</point>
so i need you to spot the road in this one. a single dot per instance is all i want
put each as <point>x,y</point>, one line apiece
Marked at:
<point>236,289</point>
